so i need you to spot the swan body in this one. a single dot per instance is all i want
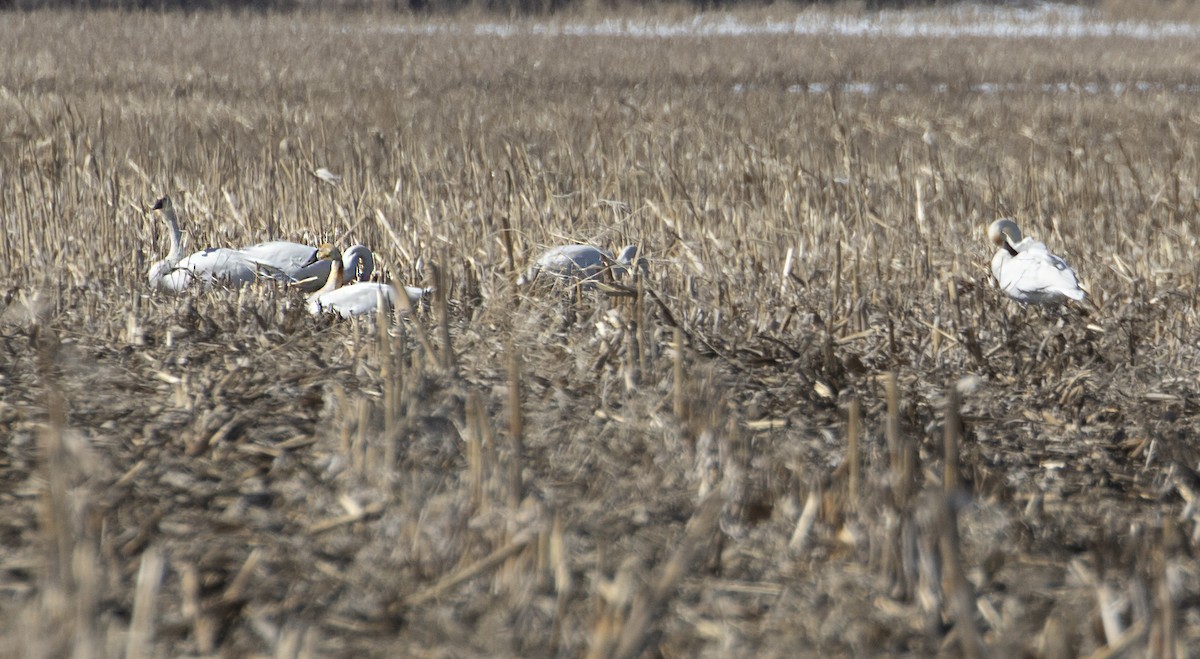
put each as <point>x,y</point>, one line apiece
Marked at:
<point>208,267</point>
<point>290,259</point>
<point>356,299</point>
<point>583,262</point>
<point>1027,271</point>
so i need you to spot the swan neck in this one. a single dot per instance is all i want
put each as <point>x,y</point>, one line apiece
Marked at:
<point>176,252</point>
<point>335,276</point>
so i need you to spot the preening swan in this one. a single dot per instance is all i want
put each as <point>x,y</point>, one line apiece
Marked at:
<point>212,266</point>
<point>356,299</point>
<point>584,262</point>
<point>1026,270</point>
<point>290,259</point>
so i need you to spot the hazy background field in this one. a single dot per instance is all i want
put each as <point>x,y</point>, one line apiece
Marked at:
<point>745,454</point>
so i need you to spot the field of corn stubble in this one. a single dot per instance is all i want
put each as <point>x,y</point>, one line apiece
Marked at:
<point>815,429</point>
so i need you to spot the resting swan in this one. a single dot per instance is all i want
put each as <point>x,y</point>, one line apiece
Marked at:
<point>291,259</point>
<point>584,262</point>
<point>1027,271</point>
<point>212,266</point>
<point>356,299</point>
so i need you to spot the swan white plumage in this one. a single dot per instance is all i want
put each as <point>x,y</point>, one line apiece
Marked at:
<point>208,267</point>
<point>584,262</point>
<point>356,299</point>
<point>291,258</point>
<point>1027,271</point>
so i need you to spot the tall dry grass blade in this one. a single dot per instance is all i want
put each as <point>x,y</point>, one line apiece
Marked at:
<point>393,384</point>
<point>140,641</point>
<point>641,340</point>
<point>1110,613</point>
<point>808,516</point>
<point>835,301</point>
<point>448,361</point>
<point>678,404</point>
<point>950,480</point>
<point>360,448</point>
<point>477,467</point>
<point>560,563</point>
<point>54,503</point>
<point>1167,642</point>
<point>67,575</point>
<point>236,591</point>
<point>631,366</point>
<point>892,428</point>
<point>1120,646</point>
<point>430,355</point>
<point>506,234</point>
<point>1054,642</point>
<point>852,455</point>
<point>903,458</point>
<point>354,514</point>
<point>296,642</point>
<point>786,273</point>
<point>646,611</point>
<point>492,560</point>
<point>204,628</point>
<point>960,592</point>
<point>516,431</point>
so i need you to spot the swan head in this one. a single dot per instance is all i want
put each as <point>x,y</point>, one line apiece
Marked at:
<point>325,252</point>
<point>633,258</point>
<point>359,262</point>
<point>1004,228</point>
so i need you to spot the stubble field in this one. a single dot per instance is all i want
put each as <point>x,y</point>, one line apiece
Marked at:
<point>814,429</point>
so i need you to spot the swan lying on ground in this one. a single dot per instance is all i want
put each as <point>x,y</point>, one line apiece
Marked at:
<point>584,262</point>
<point>1027,271</point>
<point>208,267</point>
<point>356,299</point>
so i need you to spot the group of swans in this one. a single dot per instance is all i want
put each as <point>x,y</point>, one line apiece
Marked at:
<point>1027,271</point>
<point>1024,268</point>
<point>356,299</point>
<point>276,260</point>
<point>296,264</point>
<point>337,282</point>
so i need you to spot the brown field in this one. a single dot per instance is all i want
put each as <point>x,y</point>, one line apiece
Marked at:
<point>865,451</point>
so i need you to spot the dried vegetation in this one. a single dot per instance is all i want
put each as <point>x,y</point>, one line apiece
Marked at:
<point>814,429</point>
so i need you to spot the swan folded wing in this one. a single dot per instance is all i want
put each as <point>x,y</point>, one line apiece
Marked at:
<point>270,272</point>
<point>571,262</point>
<point>286,256</point>
<point>1040,276</point>
<point>354,300</point>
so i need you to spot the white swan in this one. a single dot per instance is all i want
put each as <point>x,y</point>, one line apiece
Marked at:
<point>1026,270</point>
<point>584,262</point>
<point>355,299</point>
<point>291,259</point>
<point>212,266</point>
